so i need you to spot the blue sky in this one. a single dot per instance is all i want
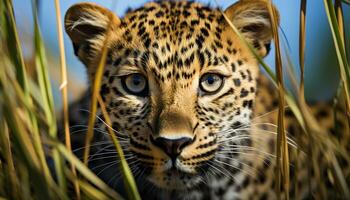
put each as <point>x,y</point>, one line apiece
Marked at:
<point>318,45</point>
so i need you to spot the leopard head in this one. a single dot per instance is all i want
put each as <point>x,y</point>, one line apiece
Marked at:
<point>178,82</point>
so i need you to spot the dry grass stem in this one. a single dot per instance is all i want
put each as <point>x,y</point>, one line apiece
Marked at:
<point>64,91</point>
<point>282,145</point>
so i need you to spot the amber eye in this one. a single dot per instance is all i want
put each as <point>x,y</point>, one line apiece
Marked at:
<point>135,84</point>
<point>211,83</point>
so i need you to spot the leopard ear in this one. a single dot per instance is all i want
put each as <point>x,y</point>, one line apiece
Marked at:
<point>87,25</point>
<point>252,19</point>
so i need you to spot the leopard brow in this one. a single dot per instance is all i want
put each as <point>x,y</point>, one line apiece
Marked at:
<point>126,70</point>
<point>218,69</point>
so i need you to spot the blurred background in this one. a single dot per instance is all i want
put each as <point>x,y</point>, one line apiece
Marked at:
<point>321,71</point>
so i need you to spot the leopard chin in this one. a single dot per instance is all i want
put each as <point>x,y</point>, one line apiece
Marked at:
<point>175,180</point>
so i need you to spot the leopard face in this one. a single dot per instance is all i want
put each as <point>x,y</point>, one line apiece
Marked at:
<point>178,83</point>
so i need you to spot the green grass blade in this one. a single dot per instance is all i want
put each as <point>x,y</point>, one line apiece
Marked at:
<point>13,44</point>
<point>43,75</point>
<point>340,50</point>
<point>86,172</point>
<point>46,93</point>
<point>15,52</point>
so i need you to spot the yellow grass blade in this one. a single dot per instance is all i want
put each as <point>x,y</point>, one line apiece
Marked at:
<point>64,91</point>
<point>91,192</point>
<point>302,40</point>
<point>282,145</point>
<point>95,91</point>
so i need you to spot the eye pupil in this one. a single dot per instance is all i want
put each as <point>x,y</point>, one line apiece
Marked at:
<point>210,80</point>
<point>136,80</point>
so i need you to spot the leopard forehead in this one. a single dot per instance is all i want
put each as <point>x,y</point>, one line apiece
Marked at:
<point>176,40</point>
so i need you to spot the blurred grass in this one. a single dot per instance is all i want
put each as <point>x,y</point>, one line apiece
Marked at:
<point>319,140</point>
<point>28,139</point>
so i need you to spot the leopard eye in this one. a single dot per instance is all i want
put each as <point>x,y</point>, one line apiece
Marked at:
<point>211,83</point>
<point>135,84</point>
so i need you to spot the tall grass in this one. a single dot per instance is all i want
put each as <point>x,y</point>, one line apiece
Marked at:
<point>29,146</point>
<point>318,138</point>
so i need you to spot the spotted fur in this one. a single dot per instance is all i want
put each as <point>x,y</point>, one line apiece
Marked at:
<point>230,148</point>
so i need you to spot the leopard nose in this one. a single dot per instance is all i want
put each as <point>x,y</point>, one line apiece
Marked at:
<point>172,147</point>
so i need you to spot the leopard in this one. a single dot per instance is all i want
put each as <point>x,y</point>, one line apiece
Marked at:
<point>195,115</point>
